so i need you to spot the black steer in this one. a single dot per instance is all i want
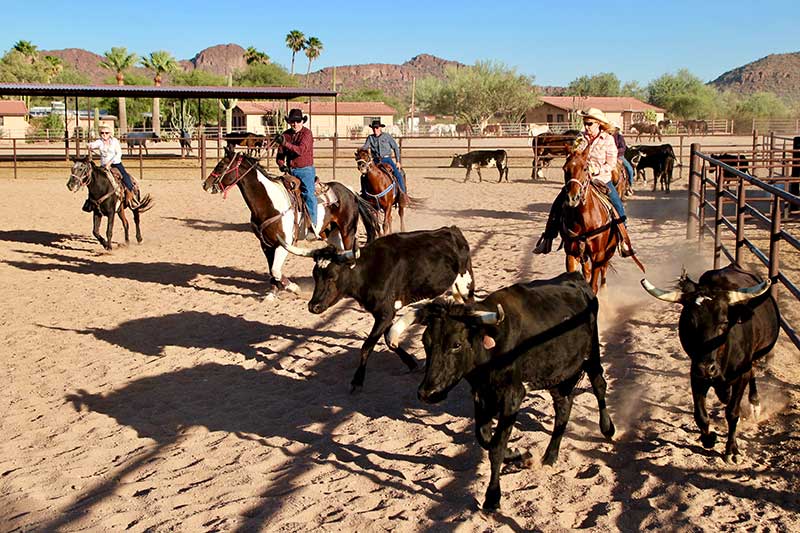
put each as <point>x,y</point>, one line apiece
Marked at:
<point>541,333</point>
<point>389,273</point>
<point>480,159</point>
<point>729,320</point>
<point>140,138</point>
<point>660,158</point>
<point>737,161</point>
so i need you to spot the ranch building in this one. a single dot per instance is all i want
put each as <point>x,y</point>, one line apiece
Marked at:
<point>353,117</point>
<point>561,111</point>
<point>13,118</point>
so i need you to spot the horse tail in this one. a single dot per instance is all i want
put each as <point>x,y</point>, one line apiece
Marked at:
<point>143,204</point>
<point>369,217</point>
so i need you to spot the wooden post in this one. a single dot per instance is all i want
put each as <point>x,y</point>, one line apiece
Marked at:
<point>680,156</point>
<point>754,153</point>
<point>740,212</point>
<point>774,245</point>
<point>336,125</point>
<point>794,188</point>
<point>718,216</point>
<point>694,191</point>
<point>201,149</point>
<point>66,132</point>
<point>14,149</point>
<point>141,163</point>
<point>534,171</point>
<point>701,227</point>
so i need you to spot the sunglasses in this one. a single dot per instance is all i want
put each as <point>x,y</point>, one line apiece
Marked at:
<point>105,133</point>
<point>589,123</point>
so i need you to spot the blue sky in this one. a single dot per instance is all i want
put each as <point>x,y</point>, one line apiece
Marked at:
<point>555,41</point>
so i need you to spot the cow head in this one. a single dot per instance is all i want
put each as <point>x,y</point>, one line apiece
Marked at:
<point>455,336</point>
<point>456,162</point>
<point>707,316</point>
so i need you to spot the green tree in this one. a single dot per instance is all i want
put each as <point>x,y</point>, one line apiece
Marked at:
<point>27,49</point>
<point>295,41</point>
<point>160,62</point>
<point>313,50</point>
<point>476,94</point>
<point>196,77</point>
<point>683,95</point>
<point>258,74</point>
<point>118,60</point>
<point>251,55</point>
<point>136,107</point>
<point>603,84</point>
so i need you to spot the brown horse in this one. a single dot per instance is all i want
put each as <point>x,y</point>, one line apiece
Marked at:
<point>276,213</point>
<point>380,187</point>
<point>589,233</point>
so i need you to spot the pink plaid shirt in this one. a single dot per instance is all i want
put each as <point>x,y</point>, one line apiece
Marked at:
<point>603,156</point>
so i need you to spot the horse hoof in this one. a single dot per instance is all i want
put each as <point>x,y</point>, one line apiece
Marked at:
<point>293,287</point>
<point>270,297</point>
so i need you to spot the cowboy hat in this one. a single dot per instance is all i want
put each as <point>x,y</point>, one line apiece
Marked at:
<point>106,127</point>
<point>596,114</point>
<point>295,115</point>
<point>377,124</point>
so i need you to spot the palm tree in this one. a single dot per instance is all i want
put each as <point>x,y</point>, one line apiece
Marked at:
<point>160,62</point>
<point>251,55</point>
<point>313,50</point>
<point>295,41</point>
<point>118,60</point>
<point>28,49</point>
<point>54,66</point>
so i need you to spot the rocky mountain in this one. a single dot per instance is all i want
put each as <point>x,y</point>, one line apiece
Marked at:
<point>390,78</point>
<point>777,73</point>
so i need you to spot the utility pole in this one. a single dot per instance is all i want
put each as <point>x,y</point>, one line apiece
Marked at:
<point>413,98</point>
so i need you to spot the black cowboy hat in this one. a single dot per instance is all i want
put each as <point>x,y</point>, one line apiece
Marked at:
<point>295,115</point>
<point>377,124</point>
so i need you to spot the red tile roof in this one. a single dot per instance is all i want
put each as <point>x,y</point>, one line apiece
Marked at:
<point>13,108</point>
<point>319,108</point>
<point>605,103</point>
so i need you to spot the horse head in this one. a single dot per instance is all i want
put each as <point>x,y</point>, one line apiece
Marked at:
<point>81,172</point>
<point>225,174</point>
<point>576,174</point>
<point>363,160</point>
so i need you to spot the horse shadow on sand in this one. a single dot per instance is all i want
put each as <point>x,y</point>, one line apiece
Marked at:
<point>60,241</point>
<point>163,273</point>
<point>260,404</point>
<point>212,225</point>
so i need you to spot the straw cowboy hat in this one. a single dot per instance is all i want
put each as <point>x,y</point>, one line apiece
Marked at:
<point>106,128</point>
<point>296,115</point>
<point>596,114</point>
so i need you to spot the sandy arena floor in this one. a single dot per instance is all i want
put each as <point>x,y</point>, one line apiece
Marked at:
<point>153,389</point>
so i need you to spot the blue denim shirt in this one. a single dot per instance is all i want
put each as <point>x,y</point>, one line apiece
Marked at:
<point>382,146</point>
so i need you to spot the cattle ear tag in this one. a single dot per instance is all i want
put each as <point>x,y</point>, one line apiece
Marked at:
<point>488,342</point>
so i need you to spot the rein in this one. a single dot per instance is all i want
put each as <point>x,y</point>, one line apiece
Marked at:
<point>229,169</point>
<point>381,194</point>
<point>86,178</point>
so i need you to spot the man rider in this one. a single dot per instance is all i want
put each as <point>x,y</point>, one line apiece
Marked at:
<point>380,146</point>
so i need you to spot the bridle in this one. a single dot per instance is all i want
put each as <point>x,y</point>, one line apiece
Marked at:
<point>234,165</point>
<point>583,183</point>
<point>85,178</point>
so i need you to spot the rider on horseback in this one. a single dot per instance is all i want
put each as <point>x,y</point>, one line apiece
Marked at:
<point>295,155</point>
<point>380,146</point>
<point>602,160</point>
<point>619,139</point>
<point>110,157</point>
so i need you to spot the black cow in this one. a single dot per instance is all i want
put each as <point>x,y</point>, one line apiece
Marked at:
<point>542,334</point>
<point>737,161</point>
<point>140,138</point>
<point>389,273</point>
<point>547,146</point>
<point>482,158</point>
<point>729,320</point>
<point>660,158</point>
<point>645,127</point>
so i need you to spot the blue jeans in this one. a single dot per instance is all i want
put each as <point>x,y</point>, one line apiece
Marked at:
<point>613,195</point>
<point>126,178</point>
<point>307,175</point>
<point>629,168</point>
<point>396,171</point>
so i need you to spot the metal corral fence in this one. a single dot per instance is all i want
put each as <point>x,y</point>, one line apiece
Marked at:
<point>744,212</point>
<point>785,126</point>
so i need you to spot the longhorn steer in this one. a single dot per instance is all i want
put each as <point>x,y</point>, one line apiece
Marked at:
<point>542,334</point>
<point>389,273</point>
<point>729,320</point>
<point>478,159</point>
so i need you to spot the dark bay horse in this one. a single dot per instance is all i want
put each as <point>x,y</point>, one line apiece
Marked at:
<point>590,235</point>
<point>107,198</point>
<point>379,185</point>
<point>275,213</point>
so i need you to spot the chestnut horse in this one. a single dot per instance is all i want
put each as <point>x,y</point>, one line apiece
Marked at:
<point>380,187</point>
<point>107,198</point>
<point>275,212</point>
<point>589,234</point>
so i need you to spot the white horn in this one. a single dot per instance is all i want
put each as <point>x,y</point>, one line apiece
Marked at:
<point>294,249</point>
<point>742,295</point>
<point>489,317</point>
<point>667,296</point>
<point>403,322</point>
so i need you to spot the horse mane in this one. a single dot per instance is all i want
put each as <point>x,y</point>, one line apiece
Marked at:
<point>256,162</point>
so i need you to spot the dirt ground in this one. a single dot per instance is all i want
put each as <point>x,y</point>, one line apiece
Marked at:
<point>154,389</point>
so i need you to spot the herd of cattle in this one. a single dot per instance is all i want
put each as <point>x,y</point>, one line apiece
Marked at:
<point>539,335</point>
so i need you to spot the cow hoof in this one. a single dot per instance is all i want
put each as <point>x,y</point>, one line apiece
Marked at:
<point>492,501</point>
<point>607,427</point>
<point>733,458</point>
<point>709,440</point>
<point>549,459</point>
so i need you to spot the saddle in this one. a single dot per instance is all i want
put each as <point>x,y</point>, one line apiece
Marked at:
<point>326,196</point>
<point>387,169</point>
<point>122,192</point>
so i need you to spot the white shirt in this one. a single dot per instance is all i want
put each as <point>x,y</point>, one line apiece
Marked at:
<point>110,152</point>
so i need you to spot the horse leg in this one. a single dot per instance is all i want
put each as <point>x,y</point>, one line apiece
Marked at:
<point>400,211</point>
<point>387,219</point>
<point>109,231</point>
<point>96,228</point>
<point>136,223</point>
<point>276,265</point>
<point>125,225</point>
